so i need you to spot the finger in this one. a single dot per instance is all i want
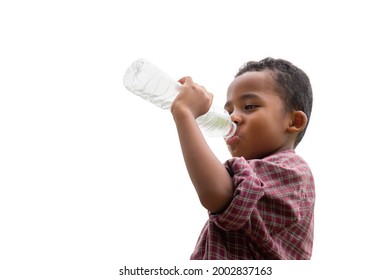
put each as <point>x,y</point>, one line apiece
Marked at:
<point>203,88</point>
<point>185,79</point>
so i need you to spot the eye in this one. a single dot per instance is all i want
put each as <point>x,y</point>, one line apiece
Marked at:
<point>250,107</point>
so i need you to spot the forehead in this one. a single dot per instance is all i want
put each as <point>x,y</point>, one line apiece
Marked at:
<point>253,81</point>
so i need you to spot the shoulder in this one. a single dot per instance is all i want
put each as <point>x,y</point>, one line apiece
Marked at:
<point>281,166</point>
<point>286,159</point>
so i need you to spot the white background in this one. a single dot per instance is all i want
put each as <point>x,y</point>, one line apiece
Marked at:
<point>92,177</point>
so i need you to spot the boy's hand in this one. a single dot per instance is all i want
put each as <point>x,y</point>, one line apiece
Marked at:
<point>193,99</point>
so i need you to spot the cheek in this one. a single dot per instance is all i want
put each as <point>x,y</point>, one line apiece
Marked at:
<point>257,126</point>
<point>265,128</point>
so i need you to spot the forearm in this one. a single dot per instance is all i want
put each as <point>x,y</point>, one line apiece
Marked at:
<point>208,175</point>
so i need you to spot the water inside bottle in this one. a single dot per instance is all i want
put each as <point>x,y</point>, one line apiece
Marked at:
<point>216,123</point>
<point>154,85</point>
<point>151,83</point>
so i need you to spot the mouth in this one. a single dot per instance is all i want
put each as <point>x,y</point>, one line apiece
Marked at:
<point>232,140</point>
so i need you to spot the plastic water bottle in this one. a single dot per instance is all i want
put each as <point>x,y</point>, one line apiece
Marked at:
<point>152,84</point>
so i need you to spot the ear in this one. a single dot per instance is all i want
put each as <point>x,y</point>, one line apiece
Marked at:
<point>297,122</point>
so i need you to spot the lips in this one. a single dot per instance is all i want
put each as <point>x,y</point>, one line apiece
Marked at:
<point>232,140</point>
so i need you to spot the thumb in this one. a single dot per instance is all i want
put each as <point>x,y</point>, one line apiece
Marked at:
<point>186,79</point>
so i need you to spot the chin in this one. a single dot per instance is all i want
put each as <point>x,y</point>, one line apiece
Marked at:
<point>234,152</point>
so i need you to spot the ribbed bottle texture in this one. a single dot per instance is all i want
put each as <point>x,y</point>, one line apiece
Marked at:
<point>154,85</point>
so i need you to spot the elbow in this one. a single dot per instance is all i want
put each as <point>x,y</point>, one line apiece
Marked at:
<point>216,203</point>
<point>212,208</point>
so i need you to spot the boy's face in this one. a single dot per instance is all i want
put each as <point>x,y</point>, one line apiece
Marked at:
<point>259,113</point>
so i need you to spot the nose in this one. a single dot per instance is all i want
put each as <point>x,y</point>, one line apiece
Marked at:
<point>237,119</point>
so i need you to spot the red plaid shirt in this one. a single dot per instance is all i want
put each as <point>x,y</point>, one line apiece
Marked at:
<point>270,215</point>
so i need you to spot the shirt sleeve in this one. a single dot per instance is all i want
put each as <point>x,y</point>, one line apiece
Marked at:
<point>273,194</point>
<point>272,204</point>
<point>248,190</point>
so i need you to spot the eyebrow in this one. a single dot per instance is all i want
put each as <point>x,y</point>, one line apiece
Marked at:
<point>244,96</point>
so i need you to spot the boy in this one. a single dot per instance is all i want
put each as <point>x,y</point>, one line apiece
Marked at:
<point>261,201</point>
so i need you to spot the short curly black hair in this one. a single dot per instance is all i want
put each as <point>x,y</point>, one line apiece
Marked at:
<point>293,85</point>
